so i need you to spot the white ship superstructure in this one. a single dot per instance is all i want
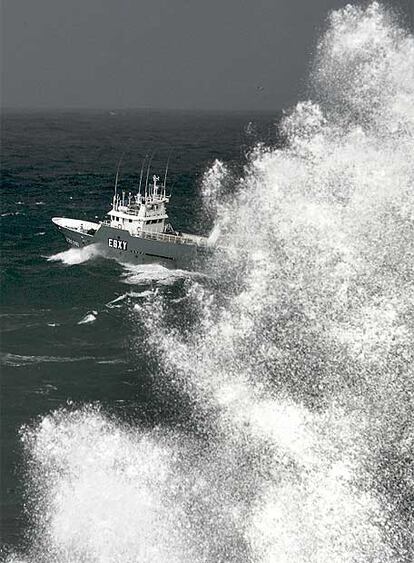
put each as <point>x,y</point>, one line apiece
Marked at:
<point>141,213</point>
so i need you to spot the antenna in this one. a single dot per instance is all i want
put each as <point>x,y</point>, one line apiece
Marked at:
<point>148,171</point>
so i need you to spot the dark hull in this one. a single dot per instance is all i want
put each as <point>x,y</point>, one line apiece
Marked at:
<point>120,245</point>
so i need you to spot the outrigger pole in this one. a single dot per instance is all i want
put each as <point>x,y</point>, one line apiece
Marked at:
<point>166,172</point>
<point>171,190</point>
<point>142,173</point>
<point>117,175</point>
<point>148,171</point>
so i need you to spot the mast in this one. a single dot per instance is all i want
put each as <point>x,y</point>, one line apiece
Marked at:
<point>155,179</point>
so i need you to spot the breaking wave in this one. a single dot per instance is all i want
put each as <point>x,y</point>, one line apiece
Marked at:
<point>296,371</point>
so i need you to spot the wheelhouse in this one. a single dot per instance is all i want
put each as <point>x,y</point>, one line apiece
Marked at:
<point>137,213</point>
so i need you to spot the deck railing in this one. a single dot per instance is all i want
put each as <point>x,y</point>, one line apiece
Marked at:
<point>165,237</point>
<point>175,239</point>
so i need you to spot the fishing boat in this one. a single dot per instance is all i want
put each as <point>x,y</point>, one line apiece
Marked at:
<point>137,229</point>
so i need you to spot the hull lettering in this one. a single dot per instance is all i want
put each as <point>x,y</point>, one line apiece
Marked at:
<point>72,242</point>
<point>117,244</point>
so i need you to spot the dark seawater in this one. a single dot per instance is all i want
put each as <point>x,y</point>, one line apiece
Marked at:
<point>63,164</point>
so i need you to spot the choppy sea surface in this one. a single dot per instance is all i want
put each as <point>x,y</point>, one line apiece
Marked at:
<point>260,409</point>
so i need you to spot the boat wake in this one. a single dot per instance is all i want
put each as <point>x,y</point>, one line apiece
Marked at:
<point>292,382</point>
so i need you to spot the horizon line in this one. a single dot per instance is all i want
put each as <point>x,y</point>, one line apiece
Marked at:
<point>114,109</point>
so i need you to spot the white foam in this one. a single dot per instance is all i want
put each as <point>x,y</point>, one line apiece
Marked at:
<point>108,486</point>
<point>117,302</point>
<point>146,274</point>
<point>143,294</point>
<point>25,359</point>
<point>89,318</point>
<point>74,256</point>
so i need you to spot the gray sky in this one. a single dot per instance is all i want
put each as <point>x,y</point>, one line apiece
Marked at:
<point>208,54</point>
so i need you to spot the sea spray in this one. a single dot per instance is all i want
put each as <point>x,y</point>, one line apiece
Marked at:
<point>74,256</point>
<point>296,368</point>
<point>109,494</point>
<point>319,245</point>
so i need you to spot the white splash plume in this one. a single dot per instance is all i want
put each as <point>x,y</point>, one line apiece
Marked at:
<point>74,256</point>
